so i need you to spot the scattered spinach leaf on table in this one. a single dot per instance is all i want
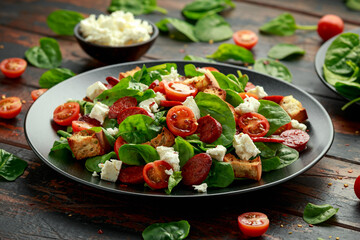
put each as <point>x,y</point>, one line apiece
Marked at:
<point>315,214</point>
<point>285,50</point>
<point>199,8</point>
<point>353,4</point>
<point>54,76</point>
<point>273,68</point>
<point>47,55</point>
<point>63,21</point>
<point>180,30</point>
<point>137,7</point>
<point>212,28</point>
<point>171,230</point>
<point>227,51</point>
<point>198,59</point>
<point>173,181</point>
<point>11,167</point>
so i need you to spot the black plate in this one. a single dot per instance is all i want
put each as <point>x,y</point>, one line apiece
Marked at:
<point>320,59</point>
<point>40,133</point>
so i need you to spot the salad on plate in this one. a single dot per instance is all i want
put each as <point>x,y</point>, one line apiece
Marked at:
<point>154,127</point>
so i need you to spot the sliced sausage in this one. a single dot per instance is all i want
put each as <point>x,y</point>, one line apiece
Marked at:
<point>120,105</point>
<point>131,111</point>
<point>131,175</point>
<point>196,169</point>
<point>295,138</point>
<point>92,121</point>
<point>249,85</point>
<point>112,80</point>
<point>209,129</point>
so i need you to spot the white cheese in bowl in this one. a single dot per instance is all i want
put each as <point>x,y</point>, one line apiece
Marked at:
<point>118,29</point>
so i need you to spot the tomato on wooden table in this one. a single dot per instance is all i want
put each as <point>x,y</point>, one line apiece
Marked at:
<point>357,187</point>
<point>66,113</point>
<point>13,67</point>
<point>253,124</point>
<point>181,121</point>
<point>329,26</point>
<point>10,107</point>
<point>177,91</point>
<point>35,94</point>
<point>253,224</point>
<point>243,95</point>
<point>154,174</point>
<point>78,126</point>
<point>245,38</point>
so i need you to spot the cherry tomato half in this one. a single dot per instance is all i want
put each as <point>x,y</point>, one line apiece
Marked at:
<point>13,67</point>
<point>181,121</point>
<point>211,69</point>
<point>245,38</point>
<point>357,187</point>
<point>253,224</point>
<point>118,143</point>
<point>254,124</point>
<point>66,113</point>
<point>154,174</point>
<point>177,91</point>
<point>35,94</point>
<point>78,126</point>
<point>243,95</point>
<point>329,26</point>
<point>10,107</point>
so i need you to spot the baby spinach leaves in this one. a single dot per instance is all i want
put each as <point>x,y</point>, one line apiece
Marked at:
<point>273,68</point>
<point>173,181</point>
<point>199,8</point>
<point>92,164</point>
<point>228,51</point>
<point>221,175</point>
<point>137,7</point>
<point>137,154</point>
<point>180,30</point>
<point>186,151</point>
<point>54,76</point>
<point>47,55</point>
<point>353,4</point>
<point>314,214</point>
<point>212,28</point>
<point>63,22</point>
<point>172,230</point>
<point>11,167</point>
<point>285,50</point>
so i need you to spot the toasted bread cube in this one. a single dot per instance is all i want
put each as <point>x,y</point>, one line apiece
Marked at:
<point>221,93</point>
<point>165,138</point>
<point>294,108</point>
<point>245,169</point>
<point>85,144</point>
<point>199,82</point>
<point>128,73</point>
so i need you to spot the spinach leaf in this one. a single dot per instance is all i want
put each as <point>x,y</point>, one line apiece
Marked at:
<point>269,164</point>
<point>212,27</point>
<point>350,103</point>
<point>225,82</point>
<point>314,214</point>
<point>275,115</point>
<point>242,79</point>
<point>11,167</point>
<point>199,8</point>
<point>282,25</point>
<point>137,7</point>
<point>137,154</point>
<point>110,139</point>
<point>47,55</point>
<point>198,145</point>
<point>198,59</point>
<point>138,129</point>
<point>92,164</point>
<point>350,90</point>
<point>173,181</point>
<point>181,30</point>
<point>60,144</point>
<point>85,106</point>
<point>218,109</point>
<point>269,151</point>
<point>285,50</point>
<point>221,175</point>
<point>110,123</point>
<point>233,98</point>
<point>228,51</point>
<point>190,71</point>
<point>172,230</point>
<point>353,4</point>
<point>186,151</point>
<point>54,76</point>
<point>164,68</point>
<point>333,78</point>
<point>273,68</point>
<point>63,22</point>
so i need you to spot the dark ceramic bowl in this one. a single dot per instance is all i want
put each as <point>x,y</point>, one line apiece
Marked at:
<point>108,54</point>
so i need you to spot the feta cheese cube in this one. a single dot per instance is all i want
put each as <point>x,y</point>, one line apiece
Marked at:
<point>149,105</point>
<point>202,188</point>
<point>138,86</point>
<point>217,153</point>
<point>95,90</point>
<point>99,112</point>
<point>113,131</point>
<point>244,146</point>
<point>159,97</point>
<point>173,76</point>
<point>190,103</point>
<point>95,174</point>
<point>110,170</point>
<point>169,155</point>
<point>250,104</point>
<point>295,124</point>
<point>258,91</point>
<point>169,172</point>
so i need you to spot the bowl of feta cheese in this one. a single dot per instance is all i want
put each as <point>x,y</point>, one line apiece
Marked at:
<point>115,38</point>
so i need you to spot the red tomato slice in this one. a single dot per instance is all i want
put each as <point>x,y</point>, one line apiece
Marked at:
<point>154,174</point>
<point>243,95</point>
<point>35,94</point>
<point>13,67</point>
<point>10,107</point>
<point>158,86</point>
<point>78,126</point>
<point>118,143</point>
<point>357,187</point>
<point>181,121</point>
<point>165,103</point>
<point>245,38</point>
<point>253,224</point>
<point>177,91</point>
<point>66,113</point>
<point>274,98</point>
<point>132,175</point>
<point>254,124</point>
<point>211,69</point>
<point>329,26</point>
<point>267,139</point>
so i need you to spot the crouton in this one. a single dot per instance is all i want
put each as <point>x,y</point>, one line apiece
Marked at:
<point>221,93</point>
<point>128,73</point>
<point>199,82</point>
<point>294,108</point>
<point>245,169</point>
<point>85,144</point>
<point>165,138</point>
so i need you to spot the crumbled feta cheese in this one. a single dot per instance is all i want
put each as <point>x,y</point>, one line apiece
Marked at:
<point>149,105</point>
<point>250,104</point>
<point>110,170</point>
<point>95,90</point>
<point>99,112</point>
<point>113,131</point>
<point>118,29</point>
<point>169,172</point>
<point>244,147</point>
<point>202,188</point>
<point>217,153</point>
<point>173,76</point>
<point>190,103</point>
<point>169,155</point>
<point>159,97</point>
<point>95,174</point>
<point>138,86</point>
<point>258,91</point>
<point>295,124</point>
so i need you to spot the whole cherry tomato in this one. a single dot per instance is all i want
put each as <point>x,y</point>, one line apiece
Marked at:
<point>329,26</point>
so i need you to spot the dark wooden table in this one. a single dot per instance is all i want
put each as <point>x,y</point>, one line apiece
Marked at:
<point>43,204</point>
